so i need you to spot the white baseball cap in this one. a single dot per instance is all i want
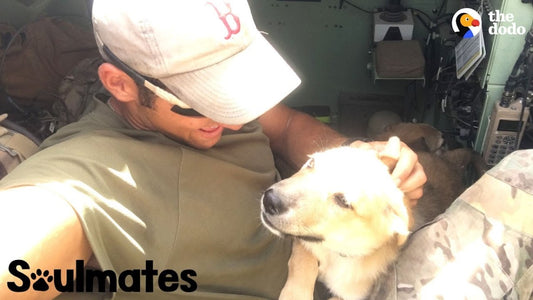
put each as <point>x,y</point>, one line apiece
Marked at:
<point>209,54</point>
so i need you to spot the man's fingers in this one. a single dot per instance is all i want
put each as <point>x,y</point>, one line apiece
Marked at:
<point>406,163</point>
<point>414,195</point>
<point>412,186</point>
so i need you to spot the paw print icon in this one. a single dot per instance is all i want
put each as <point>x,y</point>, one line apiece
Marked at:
<point>41,280</point>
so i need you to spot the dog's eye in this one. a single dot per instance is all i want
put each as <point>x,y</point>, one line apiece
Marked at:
<point>341,201</point>
<point>310,164</point>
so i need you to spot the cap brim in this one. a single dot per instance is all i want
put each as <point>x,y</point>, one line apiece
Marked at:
<point>240,88</point>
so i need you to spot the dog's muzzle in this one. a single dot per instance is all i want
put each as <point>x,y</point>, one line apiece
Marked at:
<point>272,204</point>
<point>272,207</point>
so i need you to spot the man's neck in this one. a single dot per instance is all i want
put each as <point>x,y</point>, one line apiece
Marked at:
<point>113,104</point>
<point>122,110</point>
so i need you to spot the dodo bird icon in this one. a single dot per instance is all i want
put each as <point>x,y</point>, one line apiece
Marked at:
<point>466,23</point>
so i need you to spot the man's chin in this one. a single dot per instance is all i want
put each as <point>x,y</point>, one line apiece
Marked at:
<point>205,144</point>
<point>202,144</point>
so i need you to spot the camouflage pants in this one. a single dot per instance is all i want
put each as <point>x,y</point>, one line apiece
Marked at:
<point>480,248</point>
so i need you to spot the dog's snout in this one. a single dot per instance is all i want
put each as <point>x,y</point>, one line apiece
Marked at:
<point>273,204</point>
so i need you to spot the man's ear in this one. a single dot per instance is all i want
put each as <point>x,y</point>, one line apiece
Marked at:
<point>118,83</point>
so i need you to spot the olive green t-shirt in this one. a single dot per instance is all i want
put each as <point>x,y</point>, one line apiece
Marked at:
<point>144,197</point>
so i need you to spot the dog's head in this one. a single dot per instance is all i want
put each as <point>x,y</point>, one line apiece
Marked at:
<point>418,136</point>
<point>343,198</point>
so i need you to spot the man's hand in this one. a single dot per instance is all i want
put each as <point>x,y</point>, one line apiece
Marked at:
<point>407,171</point>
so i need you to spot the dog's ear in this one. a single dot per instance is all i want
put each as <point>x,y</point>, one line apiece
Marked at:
<point>399,228</point>
<point>400,218</point>
<point>397,211</point>
<point>419,144</point>
<point>391,153</point>
<point>433,138</point>
<point>399,225</point>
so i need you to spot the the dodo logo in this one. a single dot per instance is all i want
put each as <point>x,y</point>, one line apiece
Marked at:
<point>466,22</point>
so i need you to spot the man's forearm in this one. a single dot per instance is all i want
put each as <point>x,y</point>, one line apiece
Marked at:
<point>294,135</point>
<point>306,135</point>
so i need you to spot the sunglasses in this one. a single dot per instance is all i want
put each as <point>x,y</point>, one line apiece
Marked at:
<point>179,106</point>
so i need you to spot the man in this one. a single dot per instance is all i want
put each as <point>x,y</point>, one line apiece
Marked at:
<point>160,183</point>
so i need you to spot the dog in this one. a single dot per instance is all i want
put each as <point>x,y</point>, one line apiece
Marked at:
<point>445,169</point>
<point>347,218</point>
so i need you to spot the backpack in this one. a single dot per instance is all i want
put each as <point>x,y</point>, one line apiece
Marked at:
<point>35,58</point>
<point>76,91</point>
<point>16,144</point>
<point>48,74</point>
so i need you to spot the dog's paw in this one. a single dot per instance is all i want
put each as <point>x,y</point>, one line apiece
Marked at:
<point>295,294</point>
<point>303,271</point>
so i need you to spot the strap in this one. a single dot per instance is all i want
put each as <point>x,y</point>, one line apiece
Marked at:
<point>16,144</point>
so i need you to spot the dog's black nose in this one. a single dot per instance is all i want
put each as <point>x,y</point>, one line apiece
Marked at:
<point>272,203</point>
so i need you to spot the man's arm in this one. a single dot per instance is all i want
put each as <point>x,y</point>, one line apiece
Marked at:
<point>43,230</point>
<point>294,135</point>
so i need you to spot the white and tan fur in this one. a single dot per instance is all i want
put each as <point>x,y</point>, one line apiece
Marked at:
<point>347,217</point>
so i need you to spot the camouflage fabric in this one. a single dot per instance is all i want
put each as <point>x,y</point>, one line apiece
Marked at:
<point>480,248</point>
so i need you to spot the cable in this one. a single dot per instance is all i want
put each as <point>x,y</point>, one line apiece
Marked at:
<point>359,8</point>
<point>15,105</point>
<point>2,61</point>
<point>19,31</point>
<point>521,58</point>
<point>421,12</point>
<point>520,124</point>
<point>460,101</point>
<point>487,5</point>
<point>441,8</point>
<point>423,22</point>
<point>529,77</point>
